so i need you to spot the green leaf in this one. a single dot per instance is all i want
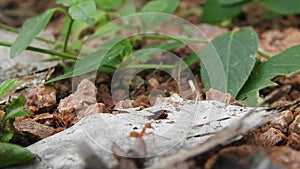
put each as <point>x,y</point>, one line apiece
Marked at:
<point>269,15</point>
<point>285,63</point>
<point>92,61</point>
<point>68,2</point>
<point>167,46</point>
<point>7,85</point>
<point>228,60</point>
<point>30,29</point>
<point>109,4</point>
<point>83,11</point>
<point>191,59</point>
<point>143,54</point>
<point>230,2</point>
<point>11,154</point>
<point>15,108</point>
<point>283,6</point>
<point>166,6</point>
<point>15,113</point>
<point>6,137</point>
<point>128,10</point>
<point>149,20</point>
<point>215,12</point>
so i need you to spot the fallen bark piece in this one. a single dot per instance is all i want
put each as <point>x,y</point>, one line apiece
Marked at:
<point>94,108</point>
<point>84,96</point>
<point>282,122</point>
<point>285,157</point>
<point>246,157</point>
<point>44,118</point>
<point>295,125</point>
<point>294,141</point>
<point>252,157</point>
<point>189,129</point>
<point>269,138</point>
<point>78,105</point>
<point>213,94</point>
<point>32,129</point>
<point>40,99</point>
<point>124,104</point>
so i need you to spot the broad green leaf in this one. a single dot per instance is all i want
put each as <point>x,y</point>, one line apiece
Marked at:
<point>166,6</point>
<point>109,4</point>
<point>7,85</point>
<point>228,60</point>
<point>215,12</point>
<point>30,29</point>
<point>283,6</point>
<point>11,154</point>
<point>15,108</point>
<point>83,11</point>
<point>230,2</point>
<point>128,10</point>
<point>149,20</point>
<point>68,2</point>
<point>269,15</point>
<point>285,63</point>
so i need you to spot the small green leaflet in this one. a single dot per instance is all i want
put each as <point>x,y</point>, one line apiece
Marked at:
<point>30,29</point>
<point>68,2</point>
<point>6,137</point>
<point>230,2</point>
<point>83,11</point>
<point>12,154</point>
<point>150,19</point>
<point>127,10</point>
<point>15,109</point>
<point>7,85</point>
<point>283,6</point>
<point>109,4</point>
<point>213,11</point>
<point>166,6</point>
<point>285,63</point>
<point>228,60</point>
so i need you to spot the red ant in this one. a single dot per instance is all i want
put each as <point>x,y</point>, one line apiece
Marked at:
<point>142,133</point>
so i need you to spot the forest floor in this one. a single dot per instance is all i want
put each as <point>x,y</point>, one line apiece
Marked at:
<point>278,140</point>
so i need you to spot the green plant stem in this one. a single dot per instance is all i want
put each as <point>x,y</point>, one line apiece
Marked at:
<point>152,36</point>
<point>69,28</point>
<point>11,29</point>
<point>68,35</point>
<point>51,52</point>
<point>264,54</point>
<point>149,66</point>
